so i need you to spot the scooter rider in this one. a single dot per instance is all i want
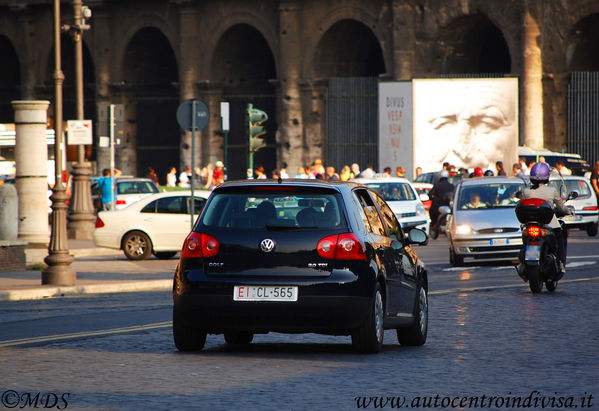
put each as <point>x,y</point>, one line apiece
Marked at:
<point>539,177</point>
<point>440,195</point>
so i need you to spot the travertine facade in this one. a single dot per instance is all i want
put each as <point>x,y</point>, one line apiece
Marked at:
<point>150,55</point>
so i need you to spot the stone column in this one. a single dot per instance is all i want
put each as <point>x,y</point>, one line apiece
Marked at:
<point>31,157</point>
<point>532,81</point>
<point>189,41</point>
<point>290,133</point>
<point>313,111</point>
<point>102,35</point>
<point>403,40</point>
<point>211,139</point>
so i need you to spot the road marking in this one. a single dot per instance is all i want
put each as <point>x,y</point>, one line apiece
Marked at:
<point>61,337</point>
<point>498,287</point>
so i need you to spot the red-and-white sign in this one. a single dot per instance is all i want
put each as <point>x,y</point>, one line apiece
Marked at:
<point>79,132</point>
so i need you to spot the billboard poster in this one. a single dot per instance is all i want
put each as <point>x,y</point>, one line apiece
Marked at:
<point>395,126</point>
<point>465,122</point>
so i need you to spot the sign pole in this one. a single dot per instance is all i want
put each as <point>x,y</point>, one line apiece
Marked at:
<point>111,131</point>
<point>193,152</point>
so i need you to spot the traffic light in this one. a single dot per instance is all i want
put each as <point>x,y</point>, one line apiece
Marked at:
<point>254,118</point>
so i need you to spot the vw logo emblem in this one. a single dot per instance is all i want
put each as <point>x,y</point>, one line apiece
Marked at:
<point>267,245</point>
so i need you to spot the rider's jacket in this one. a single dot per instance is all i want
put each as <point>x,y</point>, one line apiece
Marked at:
<point>550,194</point>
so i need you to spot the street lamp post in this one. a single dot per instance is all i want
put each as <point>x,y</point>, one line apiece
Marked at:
<point>59,259</point>
<point>81,216</point>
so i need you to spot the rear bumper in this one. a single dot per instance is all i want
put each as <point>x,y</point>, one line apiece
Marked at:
<point>326,306</point>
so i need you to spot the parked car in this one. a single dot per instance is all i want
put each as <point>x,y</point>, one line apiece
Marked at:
<point>483,223</point>
<point>157,224</point>
<point>586,214</point>
<point>299,256</point>
<point>128,191</point>
<point>403,199</point>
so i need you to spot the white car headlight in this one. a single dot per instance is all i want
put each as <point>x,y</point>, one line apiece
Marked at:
<point>463,229</point>
<point>420,211</point>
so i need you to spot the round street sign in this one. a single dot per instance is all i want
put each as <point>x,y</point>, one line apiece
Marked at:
<point>190,109</point>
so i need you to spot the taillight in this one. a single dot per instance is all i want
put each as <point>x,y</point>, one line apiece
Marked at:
<point>590,208</point>
<point>121,202</point>
<point>198,245</point>
<point>99,222</point>
<point>341,247</point>
<point>533,231</point>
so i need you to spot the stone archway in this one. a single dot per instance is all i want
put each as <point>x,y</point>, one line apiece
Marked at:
<point>348,49</point>
<point>10,79</point>
<point>348,61</point>
<point>472,44</point>
<point>583,89</point>
<point>243,66</point>
<point>150,94</point>
<point>69,109</point>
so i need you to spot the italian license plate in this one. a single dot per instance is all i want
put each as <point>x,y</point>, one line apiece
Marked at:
<point>573,218</point>
<point>499,241</point>
<point>264,293</point>
<point>532,252</point>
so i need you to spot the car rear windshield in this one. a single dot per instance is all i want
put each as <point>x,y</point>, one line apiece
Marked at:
<point>266,209</point>
<point>492,195</point>
<point>567,186</point>
<point>394,191</point>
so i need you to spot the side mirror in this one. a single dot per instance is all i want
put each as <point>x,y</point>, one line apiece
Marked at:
<point>417,236</point>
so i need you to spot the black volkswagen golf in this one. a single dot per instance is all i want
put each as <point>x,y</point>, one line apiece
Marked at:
<point>297,256</point>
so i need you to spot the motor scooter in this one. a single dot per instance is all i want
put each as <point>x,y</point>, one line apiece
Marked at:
<point>538,257</point>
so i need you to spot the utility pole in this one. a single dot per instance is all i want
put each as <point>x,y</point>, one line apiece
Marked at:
<point>81,216</point>
<point>59,259</point>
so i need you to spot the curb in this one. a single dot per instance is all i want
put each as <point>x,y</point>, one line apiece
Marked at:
<point>102,288</point>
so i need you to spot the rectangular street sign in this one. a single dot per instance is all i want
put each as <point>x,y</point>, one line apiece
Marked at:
<point>79,132</point>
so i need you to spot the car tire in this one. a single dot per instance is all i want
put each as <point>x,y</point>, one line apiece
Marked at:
<point>165,255</point>
<point>415,334</point>
<point>592,229</point>
<point>187,338</point>
<point>137,246</point>
<point>239,338</point>
<point>454,259</point>
<point>368,338</point>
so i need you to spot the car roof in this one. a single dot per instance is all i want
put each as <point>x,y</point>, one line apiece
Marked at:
<point>490,180</point>
<point>382,180</point>
<point>295,182</point>
<point>568,177</point>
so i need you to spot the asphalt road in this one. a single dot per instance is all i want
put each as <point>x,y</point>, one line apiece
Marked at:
<point>489,336</point>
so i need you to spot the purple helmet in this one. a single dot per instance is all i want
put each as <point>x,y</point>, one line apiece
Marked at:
<point>539,173</point>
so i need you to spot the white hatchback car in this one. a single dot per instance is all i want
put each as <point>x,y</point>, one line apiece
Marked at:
<point>157,224</point>
<point>586,214</point>
<point>403,199</point>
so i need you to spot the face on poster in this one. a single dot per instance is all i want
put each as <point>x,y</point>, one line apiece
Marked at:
<point>465,122</point>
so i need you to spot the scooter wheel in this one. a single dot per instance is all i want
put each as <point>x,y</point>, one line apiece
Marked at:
<point>551,285</point>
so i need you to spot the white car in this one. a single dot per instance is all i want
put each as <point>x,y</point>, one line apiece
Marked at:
<point>157,224</point>
<point>403,199</point>
<point>586,214</point>
<point>128,191</point>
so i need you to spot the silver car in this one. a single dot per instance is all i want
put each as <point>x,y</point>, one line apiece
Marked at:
<point>483,223</point>
<point>585,215</point>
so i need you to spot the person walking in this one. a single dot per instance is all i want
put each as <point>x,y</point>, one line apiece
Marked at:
<point>152,175</point>
<point>106,188</point>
